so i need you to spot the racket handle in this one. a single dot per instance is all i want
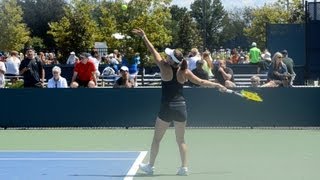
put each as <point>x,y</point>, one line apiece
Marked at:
<point>229,91</point>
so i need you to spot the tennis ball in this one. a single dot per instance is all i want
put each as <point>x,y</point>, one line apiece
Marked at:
<point>124,7</point>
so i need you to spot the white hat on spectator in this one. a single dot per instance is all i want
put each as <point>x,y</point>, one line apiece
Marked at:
<point>124,68</point>
<point>267,56</point>
<point>254,44</point>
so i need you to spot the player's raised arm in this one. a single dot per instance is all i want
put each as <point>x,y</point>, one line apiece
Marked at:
<point>149,45</point>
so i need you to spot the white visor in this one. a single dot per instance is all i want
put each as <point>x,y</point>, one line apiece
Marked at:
<point>170,52</point>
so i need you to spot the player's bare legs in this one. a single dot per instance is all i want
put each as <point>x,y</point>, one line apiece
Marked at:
<point>180,131</point>
<point>159,131</point>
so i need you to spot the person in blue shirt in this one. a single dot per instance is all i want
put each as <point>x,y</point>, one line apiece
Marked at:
<point>131,59</point>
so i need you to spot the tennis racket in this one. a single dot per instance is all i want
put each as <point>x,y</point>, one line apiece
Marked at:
<point>253,96</point>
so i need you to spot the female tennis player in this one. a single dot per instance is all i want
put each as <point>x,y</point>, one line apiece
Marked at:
<point>174,73</point>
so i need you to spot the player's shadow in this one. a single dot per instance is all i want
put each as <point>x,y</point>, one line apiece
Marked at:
<point>145,175</point>
<point>122,176</point>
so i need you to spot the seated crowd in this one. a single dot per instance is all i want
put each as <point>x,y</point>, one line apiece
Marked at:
<point>124,67</point>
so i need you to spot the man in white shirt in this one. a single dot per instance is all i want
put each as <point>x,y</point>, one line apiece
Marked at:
<point>2,72</point>
<point>12,64</point>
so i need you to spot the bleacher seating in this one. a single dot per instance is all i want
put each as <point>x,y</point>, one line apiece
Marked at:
<point>242,80</point>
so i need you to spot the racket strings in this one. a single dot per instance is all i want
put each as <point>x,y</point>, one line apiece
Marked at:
<point>251,96</point>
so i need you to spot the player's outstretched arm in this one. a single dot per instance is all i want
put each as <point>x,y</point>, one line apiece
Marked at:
<point>149,45</point>
<point>202,82</point>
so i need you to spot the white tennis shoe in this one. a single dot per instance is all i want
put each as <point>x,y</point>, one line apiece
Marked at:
<point>182,171</point>
<point>147,168</point>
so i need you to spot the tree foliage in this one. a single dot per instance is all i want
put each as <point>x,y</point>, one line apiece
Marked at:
<point>280,12</point>
<point>152,16</point>
<point>233,28</point>
<point>185,33</point>
<point>14,33</point>
<point>188,35</point>
<point>107,23</point>
<point>77,30</point>
<point>37,15</point>
<point>209,15</point>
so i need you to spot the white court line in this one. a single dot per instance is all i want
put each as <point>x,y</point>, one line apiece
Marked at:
<point>67,159</point>
<point>134,168</point>
<point>62,151</point>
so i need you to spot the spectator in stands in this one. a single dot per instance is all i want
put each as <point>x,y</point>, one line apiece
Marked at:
<point>224,74</point>
<point>131,59</point>
<point>95,61</point>
<point>2,72</point>
<point>117,55</point>
<point>278,74</point>
<point>21,56</point>
<point>57,81</point>
<point>235,57</point>
<point>55,61</point>
<point>290,64</point>
<point>208,63</point>
<point>265,62</point>
<point>50,58</point>
<point>194,56</point>
<point>42,57</point>
<point>72,59</point>
<point>124,81</point>
<point>255,81</point>
<point>199,72</point>
<point>255,55</point>
<point>84,74</point>
<point>12,63</point>
<point>31,68</point>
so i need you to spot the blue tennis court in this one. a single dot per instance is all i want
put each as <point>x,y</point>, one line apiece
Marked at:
<point>69,164</point>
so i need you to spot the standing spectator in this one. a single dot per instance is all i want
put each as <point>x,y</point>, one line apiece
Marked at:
<point>50,58</point>
<point>194,56</point>
<point>12,63</point>
<point>117,55</point>
<point>224,74</point>
<point>255,55</point>
<point>2,72</point>
<point>131,59</point>
<point>265,61</point>
<point>84,74</point>
<point>72,59</point>
<point>42,57</point>
<point>1,57</point>
<point>124,81</point>
<point>200,72</point>
<point>290,64</point>
<point>57,81</point>
<point>32,70</point>
<point>95,61</point>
